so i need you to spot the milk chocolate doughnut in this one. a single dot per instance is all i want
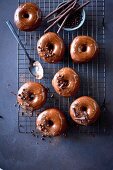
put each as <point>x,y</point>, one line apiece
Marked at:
<point>32,96</point>
<point>66,82</point>
<point>51,48</point>
<point>83,49</point>
<point>51,122</point>
<point>84,110</point>
<point>27,16</point>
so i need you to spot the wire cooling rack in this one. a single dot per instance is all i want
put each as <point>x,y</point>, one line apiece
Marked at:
<point>92,74</point>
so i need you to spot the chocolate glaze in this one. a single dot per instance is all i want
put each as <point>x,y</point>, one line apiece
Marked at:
<point>83,49</point>
<point>27,17</point>
<point>51,47</point>
<point>32,96</point>
<point>51,122</point>
<point>66,82</point>
<point>84,110</point>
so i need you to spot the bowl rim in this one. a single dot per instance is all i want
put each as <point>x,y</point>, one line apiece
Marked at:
<point>77,27</point>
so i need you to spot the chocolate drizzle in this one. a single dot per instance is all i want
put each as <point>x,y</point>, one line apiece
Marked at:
<point>62,83</point>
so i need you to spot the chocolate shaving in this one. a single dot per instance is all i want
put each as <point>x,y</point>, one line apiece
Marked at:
<point>84,118</point>
<point>47,52</point>
<point>76,113</point>
<point>62,83</point>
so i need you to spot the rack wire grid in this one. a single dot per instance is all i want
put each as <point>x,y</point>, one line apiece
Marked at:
<point>92,74</point>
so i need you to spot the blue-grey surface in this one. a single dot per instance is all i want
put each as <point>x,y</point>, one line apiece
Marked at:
<point>21,151</point>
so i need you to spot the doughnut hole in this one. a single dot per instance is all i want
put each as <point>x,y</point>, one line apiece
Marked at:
<point>26,15</point>
<point>84,108</point>
<point>82,48</point>
<point>50,47</point>
<point>49,123</point>
<point>31,96</point>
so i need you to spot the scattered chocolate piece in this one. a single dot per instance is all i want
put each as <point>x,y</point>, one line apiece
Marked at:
<point>65,134</point>
<point>20,125</point>
<point>42,138</point>
<point>1,117</point>
<point>32,131</point>
<point>16,105</point>
<point>34,134</point>
<point>52,95</point>
<point>22,113</point>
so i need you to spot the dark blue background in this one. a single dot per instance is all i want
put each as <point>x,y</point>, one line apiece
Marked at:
<point>21,151</point>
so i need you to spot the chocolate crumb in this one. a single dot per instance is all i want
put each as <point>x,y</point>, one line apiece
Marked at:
<point>22,113</point>
<point>15,105</point>
<point>65,134</point>
<point>37,143</point>
<point>52,95</point>
<point>1,117</point>
<point>33,134</point>
<point>42,138</point>
<point>32,131</point>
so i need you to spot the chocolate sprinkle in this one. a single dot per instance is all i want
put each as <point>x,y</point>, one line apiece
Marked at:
<point>73,20</point>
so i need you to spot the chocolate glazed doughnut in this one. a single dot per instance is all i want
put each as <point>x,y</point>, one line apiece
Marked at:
<point>66,82</point>
<point>51,122</point>
<point>83,49</point>
<point>51,48</point>
<point>27,17</point>
<point>32,96</point>
<point>84,110</point>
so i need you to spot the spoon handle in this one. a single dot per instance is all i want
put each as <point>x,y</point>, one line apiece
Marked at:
<point>17,37</point>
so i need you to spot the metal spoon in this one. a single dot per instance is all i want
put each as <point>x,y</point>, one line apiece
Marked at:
<point>35,67</point>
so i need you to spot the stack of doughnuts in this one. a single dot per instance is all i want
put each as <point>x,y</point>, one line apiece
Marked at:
<point>66,82</point>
